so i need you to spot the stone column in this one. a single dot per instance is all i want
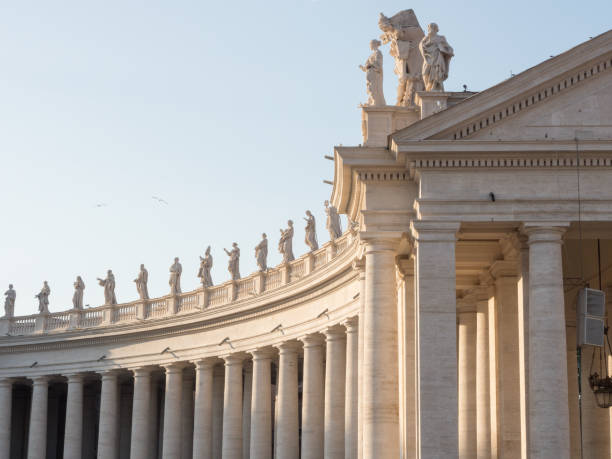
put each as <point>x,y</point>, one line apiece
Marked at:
<point>141,414</point>
<point>467,381</point>
<point>203,412</point>
<point>380,400</point>
<point>73,435</point>
<point>483,400</point>
<point>313,390</point>
<point>335,371</point>
<point>523,311</point>
<point>171,448</point>
<point>108,432</point>
<point>6,405</point>
<point>261,405</point>
<point>287,427</point>
<point>187,412</point>
<point>548,391</point>
<point>437,339</point>
<point>247,395</point>
<point>37,436</point>
<point>218,388</point>
<point>232,410</point>
<point>351,388</point>
<point>359,265</point>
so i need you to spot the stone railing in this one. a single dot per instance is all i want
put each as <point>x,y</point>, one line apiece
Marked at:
<point>190,302</point>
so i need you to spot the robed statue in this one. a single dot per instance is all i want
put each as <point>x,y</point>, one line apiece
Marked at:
<point>77,298</point>
<point>261,253</point>
<point>109,288</point>
<point>175,277</point>
<point>9,301</point>
<point>437,54</point>
<point>206,263</point>
<point>373,69</point>
<point>311,232</point>
<point>43,298</point>
<point>333,222</point>
<point>233,264</point>
<point>141,283</point>
<point>285,244</point>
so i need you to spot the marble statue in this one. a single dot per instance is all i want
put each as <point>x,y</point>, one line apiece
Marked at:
<point>373,69</point>
<point>261,253</point>
<point>77,298</point>
<point>285,244</point>
<point>333,222</point>
<point>43,298</point>
<point>9,301</point>
<point>404,33</point>
<point>206,263</point>
<point>141,283</point>
<point>311,232</point>
<point>233,265</point>
<point>175,277</point>
<point>109,288</point>
<point>437,54</point>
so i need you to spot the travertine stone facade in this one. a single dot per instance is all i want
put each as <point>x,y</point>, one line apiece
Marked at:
<point>441,324</point>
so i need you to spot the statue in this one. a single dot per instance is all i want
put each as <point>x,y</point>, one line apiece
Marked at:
<point>373,69</point>
<point>261,253</point>
<point>437,54</point>
<point>9,302</point>
<point>404,33</point>
<point>333,222</point>
<point>233,265</point>
<point>141,283</point>
<point>285,244</point>
<point>205,267</point>
<point>109,288</point>
<point>43,299</point>
<point>77,298</point>
<point>311,232</point>
<point>175,277</point>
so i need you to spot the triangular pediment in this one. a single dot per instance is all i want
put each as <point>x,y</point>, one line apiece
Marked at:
<point>562,98</point>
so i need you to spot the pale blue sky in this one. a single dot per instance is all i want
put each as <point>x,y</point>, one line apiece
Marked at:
<point>223,109</point>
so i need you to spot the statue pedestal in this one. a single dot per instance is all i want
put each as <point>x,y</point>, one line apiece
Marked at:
<point>432,102</point>
<point>377,123</point>
<point>5,325</point>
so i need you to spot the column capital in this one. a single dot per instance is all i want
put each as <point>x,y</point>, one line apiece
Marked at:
<point>312,340</point>
<point>206,362</point>
<point>74,377</point>
<point>351,324</point>
<point>288,347</point>
<point>381,241</point>
<point>405,265</point>
<point>501,269</point>
<point>263,353</point>
<point>174,367</point>
<point>436,231</point>
<point>141,372</point>
<point>4,382</point>
<point>235,358</point>
<point>544,231</point>
<point>41,380</point>
<point>334,333</point>
<point>109,374</point>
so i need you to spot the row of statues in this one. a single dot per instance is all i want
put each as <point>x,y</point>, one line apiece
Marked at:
<point>421,61</point>
<point>285,247</point>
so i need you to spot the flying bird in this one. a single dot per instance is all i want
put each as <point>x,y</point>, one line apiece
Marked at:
<point>159,199</point>
<point>101,204</point>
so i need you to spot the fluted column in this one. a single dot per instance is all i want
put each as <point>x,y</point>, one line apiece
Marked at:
<point>187,412</point>
<point>351,388</point>
<point>437,338</point>
<point>232,408</point>
<point>6,404</point>
<point>313,393</point>
<point>247,395</point>
<point>467,382</point>
<point>483,398</point>
<point>335,371</point>
<point>37,436</point>
<point>203,409</point>
<point>287,428</point>
<point>548,389</point>
<point>108,432</point>
<point>261,405</point>
<point>171,448</point>
<point>141,414</point>
<point>73,435</point>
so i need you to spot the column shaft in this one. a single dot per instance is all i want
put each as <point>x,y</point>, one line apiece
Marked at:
<point>548,391</point>
<point>203,410</point>
<point>6,405</point>
<point>483,400</point>
<point>351,390</point>
<point>287,428</point>
<point>232,409</point>
<point>218,388</point>
<point>187,413</point>
<point>37,436</point>
<point>141,414</point>
<point>108,432</point>
<point>335,371</point>
<point>261,406</point>
<point>360,266</point>
<point>73,435</point>
<point>467,385</point>
<point>171,448</point>
<point>313,390</point>
<point>247,396</point>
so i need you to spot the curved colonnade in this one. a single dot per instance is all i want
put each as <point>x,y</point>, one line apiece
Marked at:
<point>261,367</point>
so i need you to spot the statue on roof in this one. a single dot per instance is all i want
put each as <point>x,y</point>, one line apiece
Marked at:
<point>176,269</point>
<point>141,283</point>
<point>311,232</point>
<point>333,221</point>
<point>261,253</point>
<point>437,54</point>
<point>9,302</point>
<point>373,69</point>
<point>233,264</point>
<point>404,33</point>
<point>77,298</point>
<point>206,264</point>
<point>43,298</point>
<point>109,288</point>
<point>285,244</point>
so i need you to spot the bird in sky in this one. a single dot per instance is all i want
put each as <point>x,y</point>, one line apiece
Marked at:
<point>101,204</point>
<point>160,200</point>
